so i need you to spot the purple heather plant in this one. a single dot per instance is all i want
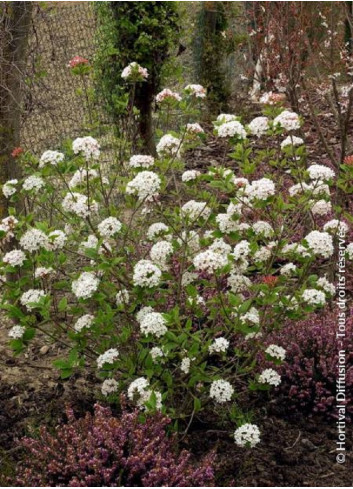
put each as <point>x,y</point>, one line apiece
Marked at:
<point>310,370</point>
<point>103,450</point>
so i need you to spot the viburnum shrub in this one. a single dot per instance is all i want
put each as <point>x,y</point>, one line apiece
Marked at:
<point>149,272</point>
<point>102,450</point>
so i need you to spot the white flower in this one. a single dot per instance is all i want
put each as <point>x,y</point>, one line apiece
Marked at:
<point>190,175</point>
<point>270,376</point>
<point>220,345</point>
<point>143,313</point>
<point>287,120</point>
<point>194,210</point>
<point>349,251</point>
<point>298,188</point>
<point>319,188</point>
<point>276,351</point>
<point>241,250</point>
<point>221,391</point>
<point>259,126</point>
<point>262,254</point>
<point>185,365</point>
<point>292,141</point>
<point>15,258</point>
<point>122,297</point>
<point>17,332</point>
<point>138,386</point>
<point>209,261</point>
<point>109,386</point>
<point>196,300</point>
<point>314,297</point>
<point>238,283</point>
<point>85,321</point>
<point>264,228</point>
<point>169,146</point>
<point>141,161</point>
<point>51,158</point>
<point>31,296</point>
<point>78,204</point>
<point>9,188</point>
<point>260,189</point>
<point>134,70</point>
<point>321,207</point>
<point>57,239</point>
<point>109,227</point>
<point>188,278</point>
<point>320,243</point>
<point>146,184</point>
<point>197,91</point>
<point>226,223</point>
<point>288,269</point>
<point>108,356</point>
<point>247,435</point>
<point>252,316</point>
<point>156,230</point>
<point>88,146</point>
<point>34,239</point>
<point>153,323</point>
<point>146,274</point>
<point>91,242</point>
<point>33,182</point>
<point>160,252</point>
<point>85,286</point>
<point>81,175</point>
<point>231,129</point>
<point>43,272</point>
<point>320,172</point>
<point>327,286</point>
<point>167,94</point>
<point>190,239</point>
<point>335,226</point>
<point>223,118</point>
<point>156,353</point>
<point>221,247</point>
<point>194,128</point>
<point>240,182</point>
<point>8,224</point>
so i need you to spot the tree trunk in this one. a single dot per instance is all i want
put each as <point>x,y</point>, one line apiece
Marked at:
<point>15,20</point>
<point>144,102</point>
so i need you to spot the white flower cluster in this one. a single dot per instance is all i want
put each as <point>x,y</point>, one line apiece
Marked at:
<point>276,351</point>
<point>51,158</point>
<point>88,146</point>
<point>197,91</point>
<point>238,283</point>
<point>146,184</point>
<point>260,189</point>
<point>241,250</point>
<point>81,176</point>
<point>335,226</point>
<point>8,224</point>
<point>263,228</point>
<point>314,297</point>
<point>194,210</point>
<point>122,297</point>
<point>327,286</point>
<point>209,261</point>
<point>231,129</point>
<point>288,269</point>
<point>287,120</point>
<point>185,365</point>
<point>292,141</point>
<point>223,118</point>
<point>34,239</point>
<point>320,244</point>
<point>221,391</point>
<point>157,229</point>
<point>85,286</point>
<point>252,316</point>
<point>194,128</point>
<point>141,161</point>
<point>9,187</point>
<point>166,95</point>
<point>219,345</point>
<point>134,70</point>
<point>259,126</point>
<point>109,386</point>
<point>270,376</point>
<point>146,274</point>
<point>108,356</point>
<point>78,204</point>
<point>33,182</point>
<point>85,321</point>
<point>321,207</point>
<point>153,323</point>
<point>17,332</point>
<point>15,258</point>
<point>109,227</point>
<point>156,353</point>
<point>247,435</point>
<point>31,296</point>
<point>190,175</point>
<point>169,146</point>
<point>349,251</point>
<point>320,172</point>
<point>160,252</point>
<point>57,239</point>
<point>140,388</point>
<point>44,272</point>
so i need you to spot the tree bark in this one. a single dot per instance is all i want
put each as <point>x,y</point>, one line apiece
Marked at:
<point>15,20</point>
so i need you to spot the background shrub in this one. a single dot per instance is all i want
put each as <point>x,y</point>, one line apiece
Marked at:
<point>102,450</point>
